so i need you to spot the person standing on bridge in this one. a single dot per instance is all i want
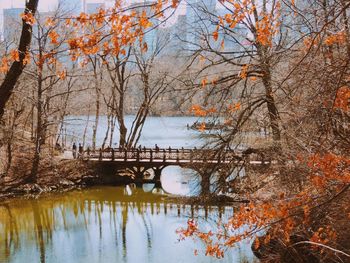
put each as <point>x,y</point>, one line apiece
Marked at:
<point>157,148</point>
<point>74,150</point>
<point>80,151</point>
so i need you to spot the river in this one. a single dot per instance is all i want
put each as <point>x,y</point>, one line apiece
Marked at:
<point>163,131</point>
<point>114,224</point>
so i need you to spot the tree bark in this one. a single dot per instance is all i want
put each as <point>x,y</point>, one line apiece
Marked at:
<point>39,140</point>
<point>97,112</point>
<point>107,131</point>
<point>271,106</point>
<point>122,128</point>
<point>113,120</point>
<point>17,67</point>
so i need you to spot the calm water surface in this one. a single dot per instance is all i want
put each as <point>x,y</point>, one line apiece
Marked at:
<point>114,224</point>
<point>164,131</point>
<point>103,224</point>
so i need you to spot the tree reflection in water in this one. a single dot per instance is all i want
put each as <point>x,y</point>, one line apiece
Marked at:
<point>102,224</point>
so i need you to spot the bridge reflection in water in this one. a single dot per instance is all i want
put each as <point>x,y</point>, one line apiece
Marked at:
<point>104,225</point>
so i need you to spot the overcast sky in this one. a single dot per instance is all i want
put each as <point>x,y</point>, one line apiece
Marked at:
<point>44,5</point>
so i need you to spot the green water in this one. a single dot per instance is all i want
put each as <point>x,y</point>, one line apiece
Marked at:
<point>104,224</point>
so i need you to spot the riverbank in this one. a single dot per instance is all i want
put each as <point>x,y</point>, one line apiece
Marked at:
<point>57,175</point>
<point>53,176</point>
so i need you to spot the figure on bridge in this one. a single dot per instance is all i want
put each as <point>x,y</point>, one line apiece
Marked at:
<point>74,150</point>
<point>81,150</point>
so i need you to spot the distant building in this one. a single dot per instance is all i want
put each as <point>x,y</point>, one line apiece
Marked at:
<point>186,35</point>
<point>12,23</point>
<point>93,7</point>
<point>177,35</point>
<point>75,7</point>
<point>152,34</point>
<point>42,17</point>
<point>198,16</point>
<point>294,27</point>
<point>236,39</point>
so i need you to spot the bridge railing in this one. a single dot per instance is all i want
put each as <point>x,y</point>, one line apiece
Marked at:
<point>158,155</point>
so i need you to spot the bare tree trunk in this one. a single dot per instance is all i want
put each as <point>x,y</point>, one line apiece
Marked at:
<point>346,27</point>
<point>122,128</point>
<point>39,130</point>
<point>119,80</point>
<point>97,112</point>
<point>271,106</point>
<point>32,135</point>
<point>46,109</point>
<point>85,129</point>
<point>9,156</point>
<point>17,67</point>
<point>113,120</point>
<point>63,113</point>
<point>107,132</point>
<point>13,126</point>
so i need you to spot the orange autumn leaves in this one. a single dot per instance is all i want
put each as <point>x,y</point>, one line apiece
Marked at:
<point>212,249</point>
<point>13,55</point>
<point>28,18</point>
<point>53,35</point>
<point>335,38</point>
<point>245,224</point>
<point>329,169</point>
<point>110,31</point>
<point>342,100</point>
<point>328,40</point>
<point>282,214</point>
<point>265,26</point>
<point>200,111</point>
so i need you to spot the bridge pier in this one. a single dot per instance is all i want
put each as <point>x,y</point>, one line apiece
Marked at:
<point>143,173</point>
<point>206,173</point>
<point>157,173</point>
<point>138,172</point>
<point>223,174</point>
<point>205,184</point>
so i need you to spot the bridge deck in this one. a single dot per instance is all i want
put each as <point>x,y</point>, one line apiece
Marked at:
<point>166,156</point>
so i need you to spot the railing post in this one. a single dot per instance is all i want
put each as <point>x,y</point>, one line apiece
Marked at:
<point>100,157</point>
<point>191,156</point>
<point>177,155</point>
<point>125,155</point>
<point>151,155</point>
<point>164,155</point>
<point>138,155</point>
<point>112,154</point>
